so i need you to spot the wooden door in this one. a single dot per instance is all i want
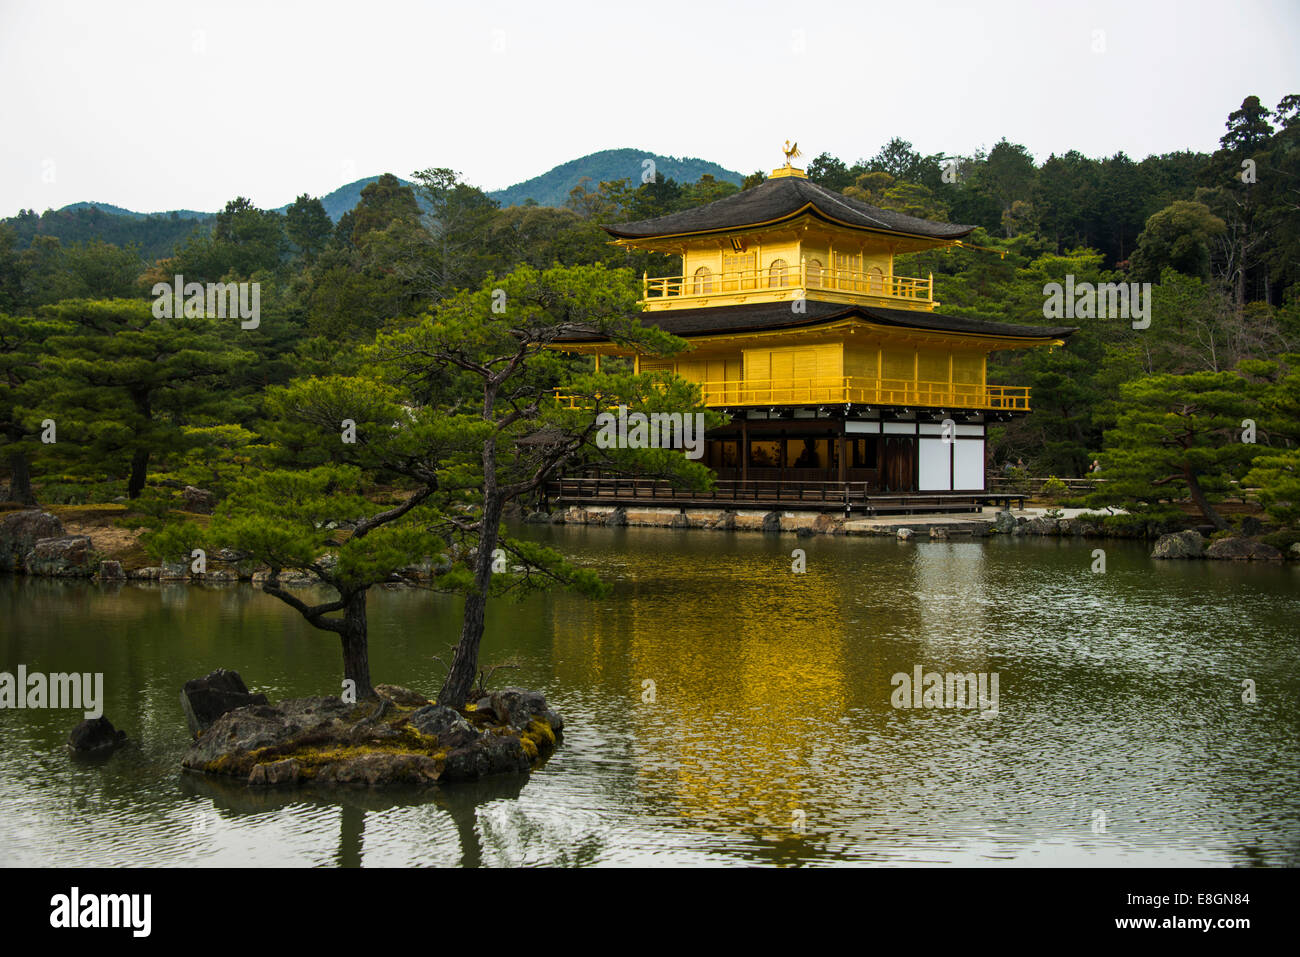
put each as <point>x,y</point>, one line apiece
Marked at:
<point>898,466</point>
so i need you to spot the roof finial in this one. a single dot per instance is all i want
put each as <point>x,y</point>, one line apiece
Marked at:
<point>791,150</point>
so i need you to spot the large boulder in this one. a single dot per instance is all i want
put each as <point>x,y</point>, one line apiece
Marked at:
<point>1188,544</point>
<point>68,556</point>
<point>827,524</point>
<point>229,743</point>
<point>1038,526</point>
<point>111,571</point>
<point>1004,522</point>
<point>206,699</point>
<point>726,521</point>
<point>19,533</point>
<point>95,735</point>
<point>443,723</point>
<point>519,707</point>
<point>1242,550</point>
<point>904,534</point>
<point>485,755</point>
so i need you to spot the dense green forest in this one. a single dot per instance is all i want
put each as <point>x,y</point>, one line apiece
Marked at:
<point>1199,405</point>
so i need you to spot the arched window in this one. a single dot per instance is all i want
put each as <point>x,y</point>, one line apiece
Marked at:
<point>814,271</point>
<point>777,274</point>
<point>703,281</point>
<point>875,281</point>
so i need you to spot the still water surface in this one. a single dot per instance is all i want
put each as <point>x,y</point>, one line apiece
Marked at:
<point>1121,738</point>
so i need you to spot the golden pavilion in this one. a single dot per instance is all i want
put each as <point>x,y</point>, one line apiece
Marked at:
<point>833,368</point>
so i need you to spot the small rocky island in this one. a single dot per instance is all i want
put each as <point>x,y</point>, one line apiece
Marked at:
<point>400,739</point>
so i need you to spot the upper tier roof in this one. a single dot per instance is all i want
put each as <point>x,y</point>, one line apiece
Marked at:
<point>761,317</point>
<point>776,200</point>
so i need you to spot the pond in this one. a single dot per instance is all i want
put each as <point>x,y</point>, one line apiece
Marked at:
<point>720,709</point>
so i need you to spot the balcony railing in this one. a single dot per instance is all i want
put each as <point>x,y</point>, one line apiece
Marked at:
<point>858,390</point>
<point>805,276</point>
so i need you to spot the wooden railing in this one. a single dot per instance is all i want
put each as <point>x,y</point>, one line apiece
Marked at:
<point>801,277</point>
<point>850,497</point>
<point>998,481</point>
<point>854,389</point>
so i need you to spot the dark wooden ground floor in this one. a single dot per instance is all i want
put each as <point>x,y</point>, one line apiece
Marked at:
<point>885,460</point>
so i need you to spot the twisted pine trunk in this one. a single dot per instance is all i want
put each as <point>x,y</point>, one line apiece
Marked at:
<point>464,663</point>
<point>1198,497</point>
<point>356,650</point>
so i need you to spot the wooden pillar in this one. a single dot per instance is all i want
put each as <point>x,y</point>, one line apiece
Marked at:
<point>744,450</point>
<point>844,465</point>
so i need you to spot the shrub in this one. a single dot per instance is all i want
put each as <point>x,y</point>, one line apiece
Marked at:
<point>1054,489</point>
<point>1282,539</point>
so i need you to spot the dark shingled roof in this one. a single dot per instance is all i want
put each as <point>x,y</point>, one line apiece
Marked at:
<point>779,198</point>
<point>754,317</point>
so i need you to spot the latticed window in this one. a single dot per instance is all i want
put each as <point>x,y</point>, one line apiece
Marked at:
<point>738,270</point>
<point>875,280</point>
<point>814,271</point>
<point>847,266</point>
<point>777,274</point>
<point>703,281</point>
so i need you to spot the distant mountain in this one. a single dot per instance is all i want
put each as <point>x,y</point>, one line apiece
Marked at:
<point>552,187</point>
<point>119,211</point>
<point>158,234</point>
<point>345,198</point>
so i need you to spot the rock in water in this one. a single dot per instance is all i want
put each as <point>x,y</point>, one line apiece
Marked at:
<point>1004,522</point>
<point>95,734</point>
<point>323,741</point>
<point>1243,549</point>
<point>445,724</point>
<point>111,571</point>
<point>68,556</point>
<point>1188,544</point>
<point>19,533</point>
<point>207,699</point>
<point>904,534</point>
<point>518,707</point>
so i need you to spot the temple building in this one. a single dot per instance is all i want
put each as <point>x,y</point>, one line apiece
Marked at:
<point>833,368</point>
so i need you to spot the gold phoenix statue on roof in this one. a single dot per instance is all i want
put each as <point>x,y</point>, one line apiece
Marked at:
<point>791,152</point>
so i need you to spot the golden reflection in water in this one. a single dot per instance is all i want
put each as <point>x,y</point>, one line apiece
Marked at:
<point>745,668</point>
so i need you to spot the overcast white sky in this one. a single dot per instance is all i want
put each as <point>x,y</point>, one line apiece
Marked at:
<point>174,104</point>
